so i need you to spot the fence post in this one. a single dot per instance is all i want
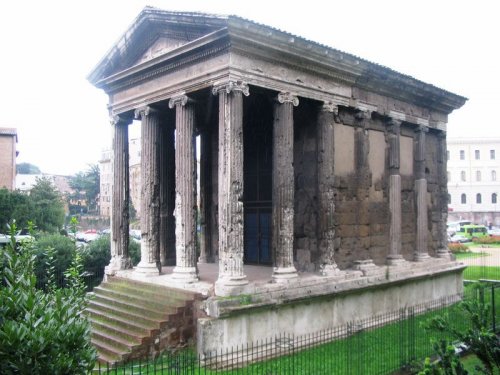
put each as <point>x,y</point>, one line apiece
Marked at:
<point>493,312</point>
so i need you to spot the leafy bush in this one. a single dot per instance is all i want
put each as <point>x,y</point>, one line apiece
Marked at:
<point>97,254</point>
<point>457,247</point>
<point>487,240</point>
<point>41,332</point>
<point>64,253</point>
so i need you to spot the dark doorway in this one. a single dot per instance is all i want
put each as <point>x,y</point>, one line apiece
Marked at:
<point>257,135</point>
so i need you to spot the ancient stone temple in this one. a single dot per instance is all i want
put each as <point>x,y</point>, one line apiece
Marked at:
<point>324,171</point>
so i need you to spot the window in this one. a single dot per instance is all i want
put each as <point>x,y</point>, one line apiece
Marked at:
<point>477,154</point>
<point>493,175</point>
<point>492,154</point>
<point>462,176</point>
<point>478,175</point>
<point>447,155</point>
<point>494,198</point>
<point>449,198</point>
<point>462,155</point>
<point>478,198</point>
<point>463,199</point>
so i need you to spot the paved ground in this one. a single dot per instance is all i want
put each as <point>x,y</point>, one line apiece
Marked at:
<point>492,259</point>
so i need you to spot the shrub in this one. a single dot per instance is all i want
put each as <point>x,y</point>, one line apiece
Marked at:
<point>97,255</point>
<point>64,253</point>
<point>487,240</point>
<point>457,247</point>
<point>41,332</point>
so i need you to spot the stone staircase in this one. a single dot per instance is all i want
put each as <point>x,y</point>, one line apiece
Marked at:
<point>132,319</point>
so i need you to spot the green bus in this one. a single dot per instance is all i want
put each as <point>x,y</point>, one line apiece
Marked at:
<point>473,231</point>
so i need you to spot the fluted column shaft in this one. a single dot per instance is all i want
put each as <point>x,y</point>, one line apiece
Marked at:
<point>185,190</point>
<point>150,190</point>
<point>205,197</point>
<point>421,252</point>
<point>326,199</point>
<point>283,187</point>
<point>394,255</point>
<point>167,191</point>
<point>230,186</point>
<point>120,258</point>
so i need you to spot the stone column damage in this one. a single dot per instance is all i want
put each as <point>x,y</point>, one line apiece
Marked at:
<point>230,186</point>
<point>326,176</point>
<point>283,187</point>
<point>120,258</point>
<point>150,181</point>
<point>185,190</point>
<point>421,252</point>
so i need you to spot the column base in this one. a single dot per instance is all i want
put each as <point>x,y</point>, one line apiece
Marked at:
<point>147,268</point>
<point>395,260</point>
<point>329,270</point>
<point>118,263</point>
<point>185,274</point>
<point>421,257</point>
<point>230,286</point>
<point>284,274</point>
<point>444,254</point>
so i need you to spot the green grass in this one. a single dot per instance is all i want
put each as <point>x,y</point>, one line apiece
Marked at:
<point>470,254</point>
<point>482,272</point>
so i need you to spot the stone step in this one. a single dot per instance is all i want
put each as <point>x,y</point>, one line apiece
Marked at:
<point>130,325</point>
<point>119,345</point>
<point>139,301</point>
<point>162,289</point>
<point>108,352</point>
<point>135,307</point>
<point>137,290</point>
<point>120,333</point>
<point>127,315</point>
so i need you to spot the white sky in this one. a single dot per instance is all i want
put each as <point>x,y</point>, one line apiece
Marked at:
<point>49,47</point>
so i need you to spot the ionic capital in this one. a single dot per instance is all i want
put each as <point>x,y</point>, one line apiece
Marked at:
<point>231,86</point>
<point>120,119</point>
<point>394,126</point>
<point>142,112</point>
<point>330,107</point>
<point>180,99</point>
<point>363,115</point>
<point>422,129</point>
<point>286,97</point>
<point>441,134</point>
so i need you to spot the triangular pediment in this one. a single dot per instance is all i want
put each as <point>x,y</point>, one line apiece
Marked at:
<point>153,33</point>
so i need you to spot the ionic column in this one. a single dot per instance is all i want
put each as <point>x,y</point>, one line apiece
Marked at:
<point>150,190</point>
<point>167,191</point>
<point>326,199</point>
<point>205,197</point>
<point>185,190</point>
<point>230,186</point>
<point>283,187</point>
<point>394,256</point>
<point>442,251</point>
<point>421,195</point>
<point>120,258</point>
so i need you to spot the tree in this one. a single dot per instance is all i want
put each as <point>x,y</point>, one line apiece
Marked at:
<point>86,186</point>
<point>47,206</point>
<point>27,168</point>
<point>16,206</point>
<point>41,332</point>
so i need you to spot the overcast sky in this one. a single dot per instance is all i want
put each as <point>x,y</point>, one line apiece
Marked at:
<point>49,47</point>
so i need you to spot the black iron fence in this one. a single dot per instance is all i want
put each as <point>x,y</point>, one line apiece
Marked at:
<point>383,344</point>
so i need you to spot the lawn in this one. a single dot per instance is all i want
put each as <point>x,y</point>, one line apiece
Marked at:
<point>482,272</point>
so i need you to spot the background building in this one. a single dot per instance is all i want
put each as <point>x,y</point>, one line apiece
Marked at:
<point>473,185</point>
<point>105,182</point>
<point>8,153</point>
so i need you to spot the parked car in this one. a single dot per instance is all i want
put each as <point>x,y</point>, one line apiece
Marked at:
<point>494,232</point>
<point>458,238</point>
<point>473,231</point>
